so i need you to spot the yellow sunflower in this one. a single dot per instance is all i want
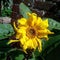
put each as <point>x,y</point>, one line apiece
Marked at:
<point>30,31</point>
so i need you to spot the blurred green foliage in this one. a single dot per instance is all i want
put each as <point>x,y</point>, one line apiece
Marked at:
<point>6,8</point>
<point>6,12</point>
<point>6,30</point>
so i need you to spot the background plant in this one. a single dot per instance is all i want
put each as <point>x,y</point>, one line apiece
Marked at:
<point>6,7</point>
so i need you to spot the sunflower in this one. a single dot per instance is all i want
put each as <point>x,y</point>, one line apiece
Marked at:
<point>30,32</point>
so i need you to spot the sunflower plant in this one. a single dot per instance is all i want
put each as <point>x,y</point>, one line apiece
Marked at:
<point>33,37</point>
<point>30,32</point>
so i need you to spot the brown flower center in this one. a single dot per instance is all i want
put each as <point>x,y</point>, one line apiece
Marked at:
<point>31,32</point>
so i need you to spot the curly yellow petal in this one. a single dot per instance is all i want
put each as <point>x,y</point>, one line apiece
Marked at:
<point>16,29</point>
<point>23,40</point>
<point>39,20</point>
<point>35,43</point>
<point>12,41</point>
<point>28,45</point>
<point>32,19</point>
<point>22,21</point>
<point>39,44</point>
<point>45,22</point>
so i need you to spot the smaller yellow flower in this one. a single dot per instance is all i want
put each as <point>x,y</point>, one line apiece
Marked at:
<point>30,31</point>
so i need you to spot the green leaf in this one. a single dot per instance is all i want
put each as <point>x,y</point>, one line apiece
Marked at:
<point>6,30</point>
<point>50,48</point>
<point>37,53</point>
<point>33,57</point>
<point>53,24</point>
<point>20,57</point>
<point>4,48</point>
<point>54,40</point>
<point>16,54</point>
<point>2,56</point>
<point>6,11</point>
<point>24,10</point>
<point>50,45</point>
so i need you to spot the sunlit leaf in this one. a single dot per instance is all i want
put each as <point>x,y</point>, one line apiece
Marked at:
<point>20,57</point>
<point>24,10</point>
<point>6,30</point>
<point>53,24</point>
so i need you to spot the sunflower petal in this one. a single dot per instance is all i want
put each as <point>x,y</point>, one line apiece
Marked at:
<point>32,19</point>
<point>22,21</point>
<point>39,44</point>
<point>12,41</point>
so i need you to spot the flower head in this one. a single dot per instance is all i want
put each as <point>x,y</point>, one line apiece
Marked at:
<point>30,31</point>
